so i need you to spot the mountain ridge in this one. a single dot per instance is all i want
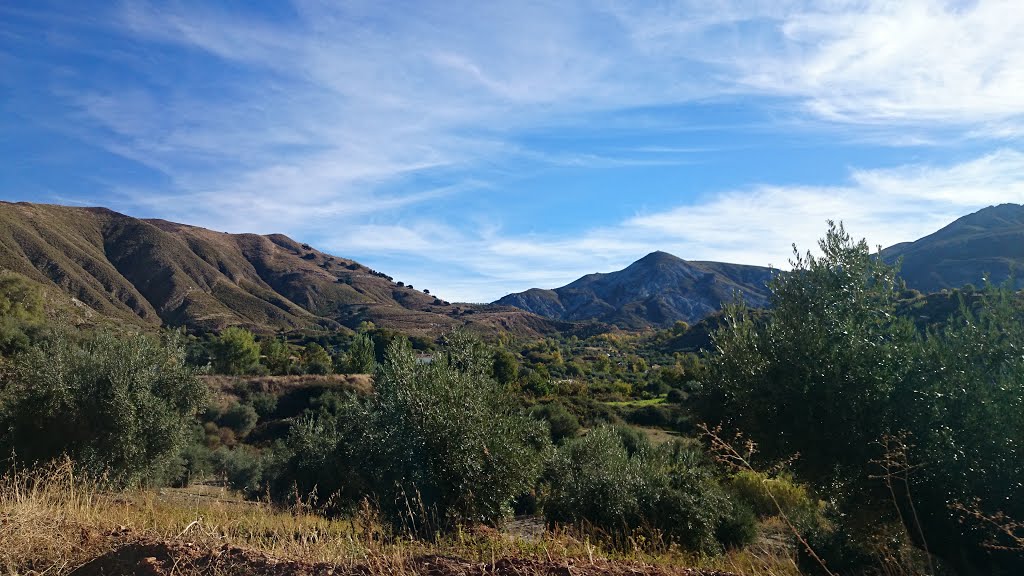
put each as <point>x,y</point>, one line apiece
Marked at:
<point>658,289</point>
<point>153,272</point>
<point>989,242</point>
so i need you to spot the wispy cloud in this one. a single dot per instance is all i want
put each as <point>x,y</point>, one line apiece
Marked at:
<point>757,225</point>
<point>378,129</point>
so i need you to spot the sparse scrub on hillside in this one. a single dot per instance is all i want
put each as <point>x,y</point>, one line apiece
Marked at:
<point>21,312</point>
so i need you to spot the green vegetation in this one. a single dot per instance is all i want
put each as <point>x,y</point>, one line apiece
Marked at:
<point>878,429</point>
<point>21,312</point>
<point>624,484</point>
<point>922,428</point>
<point>438,445</point>
<point>362,355</point>
<point>235,352</point>
<point>117,406</point>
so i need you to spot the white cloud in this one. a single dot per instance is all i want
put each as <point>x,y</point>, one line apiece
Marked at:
<point>914,60</point>
<point>751,226</point>
<point>352,117</point>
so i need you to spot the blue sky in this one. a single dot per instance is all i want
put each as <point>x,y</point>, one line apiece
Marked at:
<point>480,148</point>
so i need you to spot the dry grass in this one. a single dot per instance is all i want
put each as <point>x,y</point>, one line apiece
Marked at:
<point>52,522</point>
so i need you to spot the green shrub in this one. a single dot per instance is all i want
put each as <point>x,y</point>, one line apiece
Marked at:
<point>757,490</point>
<point>265,403</point>
<point>437,445</point>
<point>241,467</point>
<point>651,415</point>
<point>122,406</point>
<point>277,357</point>
<point>835,374</point>
<point>362,355</point>
<point>235,352</point>
<point>670,489</point>
<point>316,360</point>
<point>563,424</point>
<point>241,418</point>
<point>21,312</point>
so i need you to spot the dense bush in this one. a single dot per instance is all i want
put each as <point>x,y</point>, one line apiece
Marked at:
<point>264,403</point>
<point>122,406</point>
<point>771,495</point>
<point>316,360</point>
<point>241,418</point>
<point>362,355</point>
<point>235,352</point>
<point>832,373</point>
<point>563,424</point>
<point>277,358</point>
<point>21,312</point>
<point>668,489</point>
<point>437,445</point>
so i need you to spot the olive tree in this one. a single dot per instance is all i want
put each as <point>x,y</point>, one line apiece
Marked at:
<point>116,405</point>
<point>878,412</point>
<point>437,445</point>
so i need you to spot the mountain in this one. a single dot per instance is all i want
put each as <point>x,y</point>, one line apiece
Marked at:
<point>154,272</point>
<point>658,290</point>
<point>990,241</point>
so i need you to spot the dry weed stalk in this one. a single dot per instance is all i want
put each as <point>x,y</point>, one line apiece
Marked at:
<point>1001,525</point>
<point>727,454</point>
<point>896,468</point>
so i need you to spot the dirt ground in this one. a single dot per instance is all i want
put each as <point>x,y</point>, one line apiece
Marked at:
<point>147,557</point>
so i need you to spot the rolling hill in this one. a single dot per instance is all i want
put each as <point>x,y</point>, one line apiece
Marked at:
<point>656,290</point>
<point>990,241</point>
<point>154,272</point>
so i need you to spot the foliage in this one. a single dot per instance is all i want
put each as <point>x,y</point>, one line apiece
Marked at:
<point>771,495</point>
<point>121,406</point>
<point>669,489</point>
<point>437,445</point>
<point>817,378</point>
<point>563,424</point>
<point>21,312</point>
<point>362,355</point>
<point>316,360</point>
<point>506,367</point>
<point>235,352</point>
<point>963,418</point>
<point>879,412</point>
<point>276,357</point>
<point>241,418</point>
<point>264,403</point>
<point>241,467</point>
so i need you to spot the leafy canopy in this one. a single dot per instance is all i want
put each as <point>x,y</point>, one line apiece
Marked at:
<point>120,406</point>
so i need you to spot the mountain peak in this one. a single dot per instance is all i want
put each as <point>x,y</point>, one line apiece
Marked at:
<point>657,290</point>
<point>659,257</point>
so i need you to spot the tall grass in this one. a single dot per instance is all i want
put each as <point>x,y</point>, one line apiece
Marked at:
<point>53,520</point>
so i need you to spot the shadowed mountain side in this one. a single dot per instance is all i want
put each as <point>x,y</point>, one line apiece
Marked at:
<point>657,290</point>
<point>990,241</point>
<point>154,272</point>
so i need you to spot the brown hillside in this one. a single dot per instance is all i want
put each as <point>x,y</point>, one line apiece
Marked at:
<point>154,272</point>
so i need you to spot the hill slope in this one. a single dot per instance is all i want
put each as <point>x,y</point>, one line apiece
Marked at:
<point>990,241</point>
<point>154,272</point>
<point>658,290</point>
